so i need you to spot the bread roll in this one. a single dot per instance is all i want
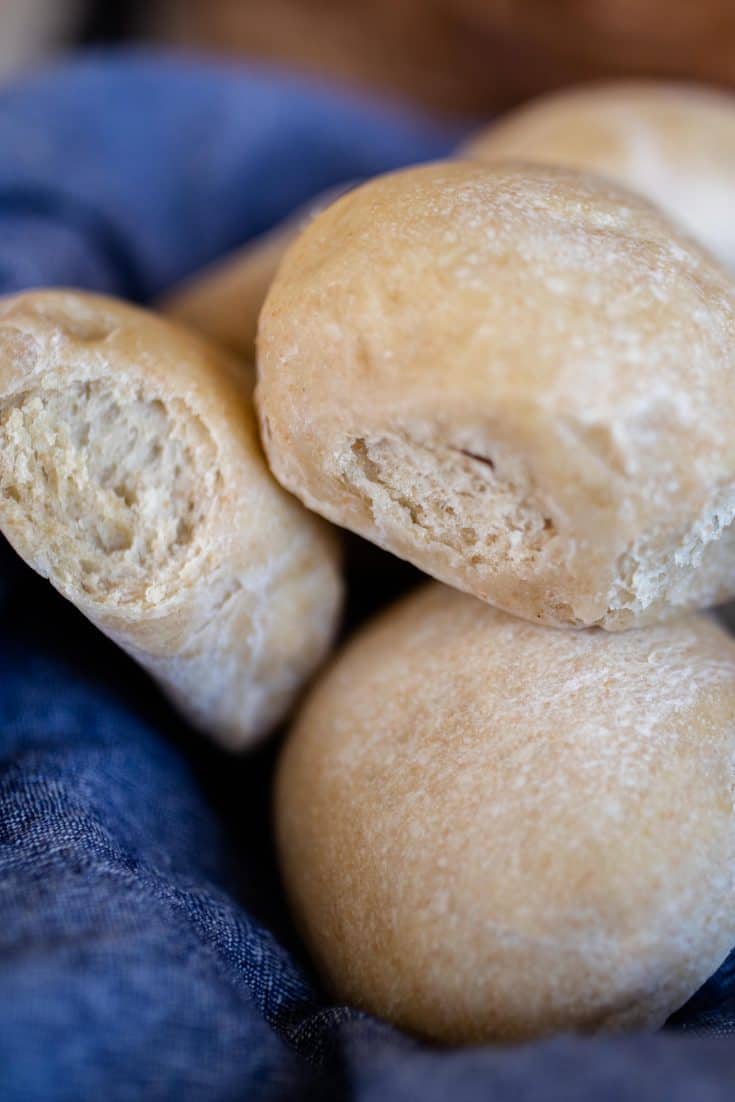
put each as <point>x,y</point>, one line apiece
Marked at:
<point>131,476</point>
<point>673,143</point>
<point>493,831</point>
<point>521,379</point>
<point>223,301</point>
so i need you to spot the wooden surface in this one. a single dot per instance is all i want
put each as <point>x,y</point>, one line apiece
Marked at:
<point>467,55</point>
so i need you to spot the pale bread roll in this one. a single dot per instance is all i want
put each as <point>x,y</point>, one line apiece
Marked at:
<point>673,143</point>
<point>490,830</point>
<point>131,476</point>
<point>521,379</point>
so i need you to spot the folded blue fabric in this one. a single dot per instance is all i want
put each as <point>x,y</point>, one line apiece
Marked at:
<point>145,951</point>
<point>130,171</point>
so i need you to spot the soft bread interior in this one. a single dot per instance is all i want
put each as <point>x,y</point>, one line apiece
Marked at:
<point>110,482</point>
<point>479,505</point>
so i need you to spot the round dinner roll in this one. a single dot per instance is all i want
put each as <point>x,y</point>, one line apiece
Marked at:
<point>673,143</point>
<point>493,831</point>
<point>519,378</point>
<point>131,476</point>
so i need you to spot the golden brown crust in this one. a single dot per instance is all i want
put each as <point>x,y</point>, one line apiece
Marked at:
<point>673,143</point>
<point>490,830</point>
<point>131,476</point>
<point>519,379</point>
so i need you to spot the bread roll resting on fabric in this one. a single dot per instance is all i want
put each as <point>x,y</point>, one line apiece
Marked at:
<point>131,476</point>
<point>674,143</point>
<point>223,300</point>
<point>519,378</point>
<point>490,830</point>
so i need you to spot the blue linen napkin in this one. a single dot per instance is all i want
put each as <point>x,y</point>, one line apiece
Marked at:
<point>145,950</point>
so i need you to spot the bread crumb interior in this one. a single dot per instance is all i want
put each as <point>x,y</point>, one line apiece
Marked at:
<point>115,482</point>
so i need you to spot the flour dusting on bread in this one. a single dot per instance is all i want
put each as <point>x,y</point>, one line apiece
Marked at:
<point>131,476</point>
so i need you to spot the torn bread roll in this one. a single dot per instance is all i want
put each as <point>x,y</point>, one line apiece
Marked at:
<point>521,379</point>
<point>223,301</point>
<point>131,476</point>
<point>493,831</point>
<point>673,143</point>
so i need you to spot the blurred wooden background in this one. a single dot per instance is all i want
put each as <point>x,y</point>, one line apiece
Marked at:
<point>455,56</point>
<point>467,55</point>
